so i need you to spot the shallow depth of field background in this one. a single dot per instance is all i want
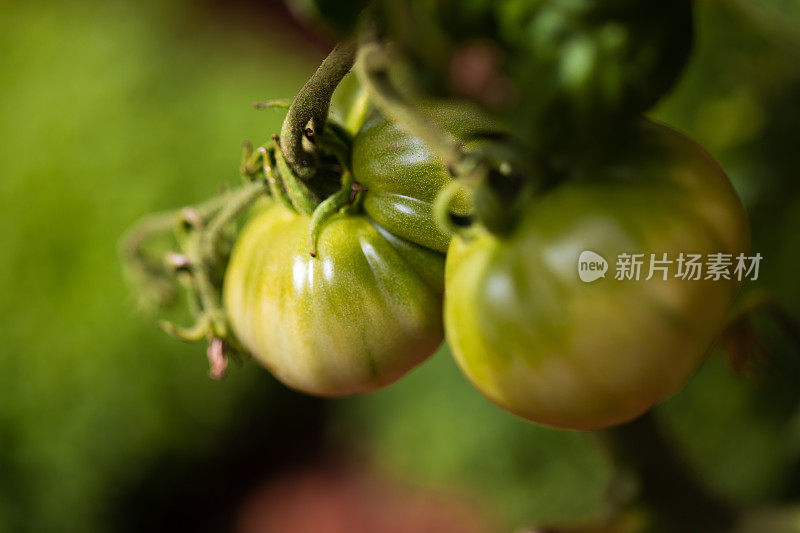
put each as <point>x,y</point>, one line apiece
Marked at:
<point>111,109</point>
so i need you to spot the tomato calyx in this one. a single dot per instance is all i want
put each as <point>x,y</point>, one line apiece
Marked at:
<point>306,168</point>
<point>315,197</point>
<point>202,237</point>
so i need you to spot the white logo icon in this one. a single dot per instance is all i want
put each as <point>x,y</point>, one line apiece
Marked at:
<point>591,266</point>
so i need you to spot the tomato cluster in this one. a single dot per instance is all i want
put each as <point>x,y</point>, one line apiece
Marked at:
<point>431,210</point>
<point>521,324</point>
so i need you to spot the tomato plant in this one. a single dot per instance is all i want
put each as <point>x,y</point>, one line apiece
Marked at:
<point>543,344</point>
<point>336,285</point>
<point>510,137</point>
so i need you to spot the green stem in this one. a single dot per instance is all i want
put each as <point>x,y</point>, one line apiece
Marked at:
<point>210,300</point>
<point>201,248</point>
<point>302,198</point>
<point>149,274</point>
<point>199,232</point>
<point>311,105</point>
<point>329,207</point>
<point>276,189</point>
<point>132,243</point>
<point>441,208</point>
<point>208,244</point>
<point>194,333</point>
<point>236,204</point>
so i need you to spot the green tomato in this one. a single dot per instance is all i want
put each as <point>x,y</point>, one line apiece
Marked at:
<point>543,344</point>
<point>403,175</point>
<point>353,319</point>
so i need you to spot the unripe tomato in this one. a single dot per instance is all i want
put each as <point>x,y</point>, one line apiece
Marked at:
<point>403,175</point>
<point>543,344</point>
<point>355,318</point>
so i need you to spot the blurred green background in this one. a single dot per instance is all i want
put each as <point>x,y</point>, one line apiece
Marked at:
<point>112,109</point>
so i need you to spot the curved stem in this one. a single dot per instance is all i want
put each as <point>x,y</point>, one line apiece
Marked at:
<point>441,208</point>
<point>238,202</point>
<point>442,215</point>
<point>134,239</point>
<point>276,189</point>
<point>311,105</point>
<point>200,233</point>
<point>149,274</point>
<point>194,333</point>
<point>210,301</point>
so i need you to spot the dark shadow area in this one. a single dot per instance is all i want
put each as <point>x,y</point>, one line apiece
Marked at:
<point>201,493</point>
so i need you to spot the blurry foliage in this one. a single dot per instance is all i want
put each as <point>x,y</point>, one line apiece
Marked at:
<point>741,432</point>
<point>337,18</point>
<point>434,428</point>
<point>109,110</point>
<point>557,70</point>
<point>740,98</point>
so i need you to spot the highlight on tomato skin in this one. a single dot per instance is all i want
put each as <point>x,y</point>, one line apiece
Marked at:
<point>353,319</point>
<point>403,175</point>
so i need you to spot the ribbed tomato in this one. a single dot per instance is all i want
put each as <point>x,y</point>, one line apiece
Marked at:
<point>355,318</point>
